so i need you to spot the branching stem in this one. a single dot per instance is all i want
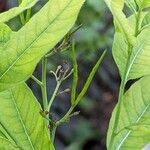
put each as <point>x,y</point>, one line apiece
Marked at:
<point>36,80</point>
<point>54,95</point>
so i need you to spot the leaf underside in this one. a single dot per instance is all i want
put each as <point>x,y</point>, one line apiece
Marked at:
<point>135,112</point>
<point>26,47</point>
<point>131,51</point>
<point>21,119</point>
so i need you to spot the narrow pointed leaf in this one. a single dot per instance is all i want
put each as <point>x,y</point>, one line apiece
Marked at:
<point>26,4</point>
<point>21,118</point>
<point>26,47</point>
<point>90,78</point>
<point>75,75</point>
<point>135,110</point>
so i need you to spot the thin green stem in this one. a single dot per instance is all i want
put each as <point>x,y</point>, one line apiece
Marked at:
<point>137,23</point>
<point>54,95</point>
<point>56,124</point>
<point>115,125</point>
<point>43,87</point>
<point>53,132</point>
<point>36,80</point>
<point>66,116</point>
<point>28,14</point>
<point>22,18</point>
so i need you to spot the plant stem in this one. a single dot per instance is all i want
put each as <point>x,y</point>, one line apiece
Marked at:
<point>43,87</point>
<point>56,124</point>
<point>28,15</point>
<point>66,116</point>
<point>115,125</point>
<point>54,95</point>
<point>36,80</point>
<point>22,18</point>
<point>137,23</point>
<point>53,132</point>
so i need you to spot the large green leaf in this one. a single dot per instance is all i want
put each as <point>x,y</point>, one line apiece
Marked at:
<point>6,16</point>
<point>26,47</point>
<point>21,119</point>
<point>138,64</point>
<point>7,145</point>
<point>134,122</point>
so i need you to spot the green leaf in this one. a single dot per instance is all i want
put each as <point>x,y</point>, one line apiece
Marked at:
<point>5,34</point>
<point>137,64</point>
<point>134,115</point>
<point>146,21</point>
<point>26,47</point>
<point>120,52</point>
<point>90,78</point>
<point>120,19</point>
<point>26,4</point>
<point>7,145</point>
<point>21,118</point>
<point>140,56</point>
<point>143,4</point>
<point>132,5</point>
<point>5,134</point>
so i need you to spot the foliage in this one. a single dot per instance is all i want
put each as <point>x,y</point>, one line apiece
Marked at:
<point>23,123</point>
<point>131,52</point>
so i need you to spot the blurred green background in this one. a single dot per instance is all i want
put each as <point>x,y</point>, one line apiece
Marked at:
<point>88,130</point>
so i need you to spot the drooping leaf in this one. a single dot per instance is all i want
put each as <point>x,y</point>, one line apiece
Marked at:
<point>21,118</point>
<point>26,47</point>
<point>120,19</point>
<point>26,4</point>
<point>7,145</point>
<point>134,115</point>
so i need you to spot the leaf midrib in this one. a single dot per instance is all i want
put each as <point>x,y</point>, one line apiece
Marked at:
<point>38,37</point>
<point>132,60</point>
<point>21,121</point>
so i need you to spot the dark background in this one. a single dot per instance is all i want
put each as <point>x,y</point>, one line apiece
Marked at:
<point>88,130</point>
